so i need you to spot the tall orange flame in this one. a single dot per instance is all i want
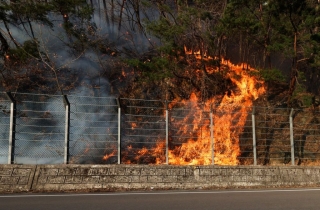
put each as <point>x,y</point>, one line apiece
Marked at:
<point>227,125</point>
<point>222,140</point>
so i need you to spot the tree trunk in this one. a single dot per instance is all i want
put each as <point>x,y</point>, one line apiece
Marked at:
<point>294,72</point>
<point>4,44</point>
<point>120,16</point>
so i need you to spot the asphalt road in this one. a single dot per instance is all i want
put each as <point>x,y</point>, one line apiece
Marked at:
<point>287,199</point>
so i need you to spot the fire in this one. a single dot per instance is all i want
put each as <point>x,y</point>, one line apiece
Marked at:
<point>157,153</point>
<point>123,73</point>
<point>133,126</point>
<point>107,156</point>
<point>197,54</point>
<point>227,126</point>
<point>218,144</point>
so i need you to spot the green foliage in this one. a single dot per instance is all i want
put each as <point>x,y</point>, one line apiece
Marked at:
<point>28,11</point>
<point>80,8</point>
<point>157,68</point>
<point>75,14</point>
<point>272,75</point>
<point>300,93</point>
<point>272,25</point>
<point>191,26</point>
<point>258,28</point>
<point>146,3</point>
<point>22,54</point>
<point>164,30</point>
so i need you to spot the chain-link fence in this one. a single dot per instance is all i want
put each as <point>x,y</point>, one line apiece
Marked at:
<point>39,129</point>
<point>143,133</point>
<point>4,127</point>
<point>93,129</point>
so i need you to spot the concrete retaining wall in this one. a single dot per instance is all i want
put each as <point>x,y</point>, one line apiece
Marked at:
<point>16,177</point>
<point>140,177</point>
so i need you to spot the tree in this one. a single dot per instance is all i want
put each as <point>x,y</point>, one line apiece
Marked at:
<point>286,28</point>
<point>252,24</point>
<point>183,27</point>
<point>299,25</point>
<point>24,57</point>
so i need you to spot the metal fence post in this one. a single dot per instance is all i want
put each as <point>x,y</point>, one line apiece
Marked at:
<point>254,140</point>
<point>167,133</point>
<point>12,129</point>
<point>67,130</point>
<point>211,135</point>
<point>119,130</point>
<point>291,137</point>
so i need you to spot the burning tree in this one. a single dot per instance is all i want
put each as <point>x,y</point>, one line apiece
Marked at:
<point>179,51</point>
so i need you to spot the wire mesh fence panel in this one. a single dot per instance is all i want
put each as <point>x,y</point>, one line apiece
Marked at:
<point>190,134</point>
<point>244,125</point>
<point>39,129</point>
<point>4,127</point>
<point>273,136</point>
<point>143,133</point>
<point>93,129</point>
<point>306,125</point>
<point>230,122</point>
<point>195,132</point>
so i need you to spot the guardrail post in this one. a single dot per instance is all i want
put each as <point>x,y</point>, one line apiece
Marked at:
<point>211,135</point>
<point>12,129</point>
<point>67,130</point>
<point>119,130</point>
<point>291,137</point>
<point>254,140</point>
<point>167,133</point>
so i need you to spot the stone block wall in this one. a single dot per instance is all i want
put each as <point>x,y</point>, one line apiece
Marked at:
<point>144,177</point>
<point>16,177</point>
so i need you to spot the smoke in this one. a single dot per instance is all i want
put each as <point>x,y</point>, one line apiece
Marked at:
<point>114,32</point>
<point>83,73</point>
<point>40,129</point>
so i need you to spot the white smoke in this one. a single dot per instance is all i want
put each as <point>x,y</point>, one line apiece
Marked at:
<point>40,122</point>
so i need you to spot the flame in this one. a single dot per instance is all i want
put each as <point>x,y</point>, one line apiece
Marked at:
<point>107,156</point>
<point>157,154</point>
<point>227,125</point>
<point>220,142</point>
<point>133,126</point>
<point>197,54</point>
<point>123,73</point>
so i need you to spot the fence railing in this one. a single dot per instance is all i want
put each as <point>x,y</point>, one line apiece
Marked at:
<point>41,129</point>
